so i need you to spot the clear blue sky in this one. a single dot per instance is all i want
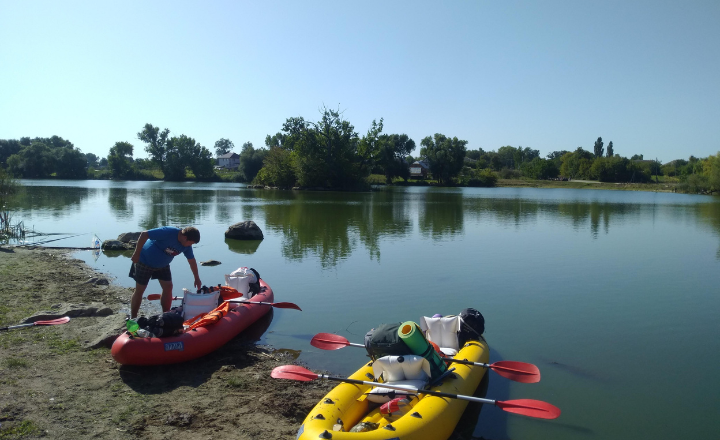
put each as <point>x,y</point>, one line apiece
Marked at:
<point>549,75</point>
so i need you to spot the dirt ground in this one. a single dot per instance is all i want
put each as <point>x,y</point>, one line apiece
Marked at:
<point>61,382</point>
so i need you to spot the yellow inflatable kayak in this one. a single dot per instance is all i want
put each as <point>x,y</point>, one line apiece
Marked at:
<point>347,407</point>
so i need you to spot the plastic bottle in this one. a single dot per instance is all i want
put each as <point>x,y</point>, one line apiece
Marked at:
<point>132,326</point>
<point>142,333</point>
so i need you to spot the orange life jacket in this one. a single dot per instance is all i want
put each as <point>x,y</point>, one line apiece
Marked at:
<point>209,318</point>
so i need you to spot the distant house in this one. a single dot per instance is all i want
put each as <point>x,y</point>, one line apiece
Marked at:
<point>229,160</point>
<point>419,169</point>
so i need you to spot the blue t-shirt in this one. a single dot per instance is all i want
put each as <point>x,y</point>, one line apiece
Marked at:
<point>162,246</point>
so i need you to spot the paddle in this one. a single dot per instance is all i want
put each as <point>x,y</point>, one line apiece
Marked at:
<point>57,321</point>
<point>513,370</point>
<point>279,305</point>
<point>526,407</point>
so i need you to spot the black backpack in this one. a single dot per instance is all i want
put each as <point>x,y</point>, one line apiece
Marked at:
<point>472,326</point>
<point>385,341</point>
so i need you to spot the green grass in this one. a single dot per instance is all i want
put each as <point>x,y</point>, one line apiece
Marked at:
<point>57,344</point>
<point>16,363</point>
<point>237,382</point>
<point>24,429</point>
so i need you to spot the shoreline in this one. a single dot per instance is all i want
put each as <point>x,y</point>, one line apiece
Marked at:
<point>60,381</point>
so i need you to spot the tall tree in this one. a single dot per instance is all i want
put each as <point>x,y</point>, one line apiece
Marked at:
<point>92,160</point>
<point>70,163</point>
<point>251,161</point>
<point>120,160</point>
<point>393,150</point>
<point>599,147</point>
<point>610,151</point>
<point>445,156</point>
<point>182,153</point>
<point>33,161</point>
<point>223,146</point>
<point>156,141</point>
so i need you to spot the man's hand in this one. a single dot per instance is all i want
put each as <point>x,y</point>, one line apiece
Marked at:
<point>198,283</point>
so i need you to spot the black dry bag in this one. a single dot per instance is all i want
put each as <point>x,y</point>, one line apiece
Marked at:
<point>385,341</point>
<point>472,326</point>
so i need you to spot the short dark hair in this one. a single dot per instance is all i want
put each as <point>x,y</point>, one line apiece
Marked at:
<point>191,234</point>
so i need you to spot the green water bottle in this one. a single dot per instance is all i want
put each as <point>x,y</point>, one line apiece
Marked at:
<point>132,326</point>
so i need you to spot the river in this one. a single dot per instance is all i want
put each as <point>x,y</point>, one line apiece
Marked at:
<point>612,294</point>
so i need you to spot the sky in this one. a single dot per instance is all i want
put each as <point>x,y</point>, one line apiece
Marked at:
<point>550,75</point>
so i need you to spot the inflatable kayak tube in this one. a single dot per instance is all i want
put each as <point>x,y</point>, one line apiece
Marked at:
<point>430,417</point>
<point>128,350</point>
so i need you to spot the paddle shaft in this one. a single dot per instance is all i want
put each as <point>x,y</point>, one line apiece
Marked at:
<point>409,389</point>
<point>18,326</point>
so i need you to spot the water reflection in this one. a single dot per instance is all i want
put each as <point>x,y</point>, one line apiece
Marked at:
<point>118,202</point>
<point>57,200</point>
<point>442,214</point>
<point>245,247</point>
<point>174,207</point>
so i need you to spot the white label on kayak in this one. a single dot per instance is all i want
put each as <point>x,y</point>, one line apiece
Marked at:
<point>174,346</point>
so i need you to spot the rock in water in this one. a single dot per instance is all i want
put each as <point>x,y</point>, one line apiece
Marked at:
<point>246,230</point>
<point>210,263</point>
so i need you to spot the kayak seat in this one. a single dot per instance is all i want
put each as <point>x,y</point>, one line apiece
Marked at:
<point>408,370</point>
<point>196,304</point>
<point>443,331</point>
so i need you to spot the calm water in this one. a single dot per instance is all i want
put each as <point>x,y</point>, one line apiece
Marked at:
<point>614,295</point>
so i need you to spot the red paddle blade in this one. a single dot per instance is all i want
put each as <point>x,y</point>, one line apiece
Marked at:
<point>530,408</point>
<point>154,296</point>
<point>293,372</point>
<point>57,321</point>
<point>328,341</point>
<point>517,371</point>
<point>284,305</point>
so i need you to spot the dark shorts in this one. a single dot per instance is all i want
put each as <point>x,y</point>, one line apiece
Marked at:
<point>142,273</point>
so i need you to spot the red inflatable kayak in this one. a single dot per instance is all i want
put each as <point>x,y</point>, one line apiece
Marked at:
<point>128,350</point>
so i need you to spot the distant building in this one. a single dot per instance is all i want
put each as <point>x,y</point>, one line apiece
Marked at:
<point>419,169</point>
<point>229,160</point>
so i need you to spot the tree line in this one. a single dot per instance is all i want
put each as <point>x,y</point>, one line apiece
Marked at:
<point>329,153</point>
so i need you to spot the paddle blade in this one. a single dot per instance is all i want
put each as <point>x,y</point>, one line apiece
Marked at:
<point>517,371</point>
<point>154,297</point>
<point>530,408</point>
<point>293,372</point>
<point>284,305</point>
<point>328,341</point>
<point>57,321</point>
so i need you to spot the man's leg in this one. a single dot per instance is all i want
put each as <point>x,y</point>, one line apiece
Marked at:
<point>166,299</point>
<point>136,299</point>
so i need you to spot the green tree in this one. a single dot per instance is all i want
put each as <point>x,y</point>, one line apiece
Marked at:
<point>120,160</point>
<point>369,147</point>
<point>223,146</point>
<point>326,151</point>
<point>278,169</point>
<point>32,162</point>
<point>8,148</point>
<point>576,165</point>
<point>156,141</point>
<point>610,151</point>
<point>276,140</point>
<point>251,161</point>
<point>182,153</point>
<point>445,156</point>
<point>539,169</point>
<point>70,163</point>
<point>712,171</point>
<point>92,160</point>
<point>391,158</point>
<point>599,147</point>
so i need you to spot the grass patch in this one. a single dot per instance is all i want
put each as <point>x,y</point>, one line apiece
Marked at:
<point>57,343</point>
<point>24,429</point>
<point>237,382</point>
<point>16,363</point>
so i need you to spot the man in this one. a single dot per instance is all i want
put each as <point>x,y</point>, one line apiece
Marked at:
<point>154,251</point>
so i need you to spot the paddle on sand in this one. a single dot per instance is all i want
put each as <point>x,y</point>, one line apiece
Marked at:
<point>279,305</point>
<point>525,407</point>
<point>57,321</point>
<point>513,370</point>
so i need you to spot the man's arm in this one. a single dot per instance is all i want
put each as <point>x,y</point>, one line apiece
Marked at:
<point>138,247</point>
<point>194,268</point>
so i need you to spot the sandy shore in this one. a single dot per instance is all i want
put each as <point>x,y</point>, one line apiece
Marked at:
<point>61,381</point>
